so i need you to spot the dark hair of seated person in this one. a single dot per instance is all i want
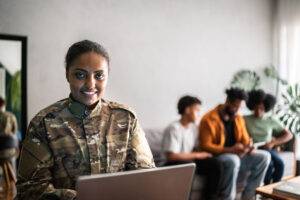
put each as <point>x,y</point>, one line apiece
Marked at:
<point>236,94</point>
<point>82,47</point>
<point>185,102</point>
<point>259,96</point>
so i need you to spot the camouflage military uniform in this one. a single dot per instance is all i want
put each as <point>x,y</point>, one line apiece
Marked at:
<point>8,123</point>
<point>66,140</point>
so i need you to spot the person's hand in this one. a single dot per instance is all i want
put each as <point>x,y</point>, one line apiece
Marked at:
<point>269,145</point>
<point>251,142</point>
<point>202,155</point>
<point>241,150</point>
<point>238,148</point>
<point>249,149</point>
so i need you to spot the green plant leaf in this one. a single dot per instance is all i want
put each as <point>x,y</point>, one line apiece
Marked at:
<point>289,112</point>
<point>14,88</point>
<point>246,80</point>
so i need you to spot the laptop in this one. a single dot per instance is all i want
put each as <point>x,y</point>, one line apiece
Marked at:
<point>161,183</point>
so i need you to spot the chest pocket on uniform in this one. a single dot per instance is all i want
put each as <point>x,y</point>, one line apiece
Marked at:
<point>66,150</point>
<point>60,137</point>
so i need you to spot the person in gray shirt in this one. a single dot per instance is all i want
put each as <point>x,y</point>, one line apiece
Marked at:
<point>180,142</point>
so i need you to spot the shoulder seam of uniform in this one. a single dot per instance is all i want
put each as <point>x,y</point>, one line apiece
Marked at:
<point>55,107</point>
<point>115,105</point>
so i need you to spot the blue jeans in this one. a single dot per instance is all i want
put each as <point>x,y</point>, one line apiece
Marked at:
<point>256,163</point>
<point>276,168</point>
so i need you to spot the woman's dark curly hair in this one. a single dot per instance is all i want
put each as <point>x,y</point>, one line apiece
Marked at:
<point>82,47</point>
<point>269,102</point>
<point>259,96</point>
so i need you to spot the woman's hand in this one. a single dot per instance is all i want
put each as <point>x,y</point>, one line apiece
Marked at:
<point>270,145</point>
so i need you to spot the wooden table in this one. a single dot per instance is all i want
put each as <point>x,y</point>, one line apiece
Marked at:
<point>267,190</point>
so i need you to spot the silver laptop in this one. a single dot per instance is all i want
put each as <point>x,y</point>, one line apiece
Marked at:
<point>162,183</point>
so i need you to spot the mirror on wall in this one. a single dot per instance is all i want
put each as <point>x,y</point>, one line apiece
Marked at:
<point>13,59</point>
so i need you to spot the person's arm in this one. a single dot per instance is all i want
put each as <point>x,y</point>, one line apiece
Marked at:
<point>34,174</point>
<point>139,155</point>
<point>281,134</point>
<point>187,156</point>
<point>284,137</point>
<point>206,133</point>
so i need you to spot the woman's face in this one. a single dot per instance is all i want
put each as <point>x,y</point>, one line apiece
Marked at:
<point>259,110</point>
<point>87,77</point>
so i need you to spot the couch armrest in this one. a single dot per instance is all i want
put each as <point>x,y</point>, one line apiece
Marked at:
<point>289,160</point>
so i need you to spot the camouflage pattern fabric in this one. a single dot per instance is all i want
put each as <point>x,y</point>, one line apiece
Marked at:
<point>67,140</point>
<point>7,180</point>
<point>8,123</point>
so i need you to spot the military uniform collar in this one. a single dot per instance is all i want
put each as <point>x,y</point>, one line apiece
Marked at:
<point>81,111</point>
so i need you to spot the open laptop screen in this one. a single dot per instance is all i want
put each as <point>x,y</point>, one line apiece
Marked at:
<point>163,183</point>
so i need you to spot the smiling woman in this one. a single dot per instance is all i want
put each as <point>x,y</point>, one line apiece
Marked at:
<point>87,65</point>
<point>88,77</point>
<point>81,135</point>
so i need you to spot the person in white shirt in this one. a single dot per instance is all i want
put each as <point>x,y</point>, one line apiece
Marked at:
<point>180,143</point>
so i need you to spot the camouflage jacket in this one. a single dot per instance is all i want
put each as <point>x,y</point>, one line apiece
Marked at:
<point>67,140</point>
<point>8,123</point>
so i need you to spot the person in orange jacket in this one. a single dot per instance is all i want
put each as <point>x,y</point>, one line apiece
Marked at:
<point>224,134</point>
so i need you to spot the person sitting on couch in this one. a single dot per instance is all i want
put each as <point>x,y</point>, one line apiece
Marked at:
<point>179,142</point>
<point>266,129</point>
<point>224,134</point>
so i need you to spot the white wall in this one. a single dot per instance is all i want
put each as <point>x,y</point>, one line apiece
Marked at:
<point>160,49</point>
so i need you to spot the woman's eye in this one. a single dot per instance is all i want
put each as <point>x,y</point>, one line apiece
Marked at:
<point>80,75</point>
<point>99,76</point>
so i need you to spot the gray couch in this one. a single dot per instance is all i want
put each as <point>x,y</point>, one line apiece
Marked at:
<point>154,137</point>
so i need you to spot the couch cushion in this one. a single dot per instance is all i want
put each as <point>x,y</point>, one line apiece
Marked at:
<point>154,138</point>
